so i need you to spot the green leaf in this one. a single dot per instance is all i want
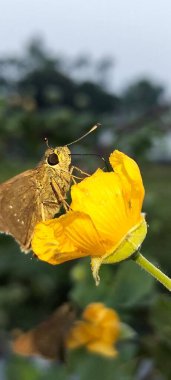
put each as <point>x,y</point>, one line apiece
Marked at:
<point>20,368</point>
<point>127,332</point>
<point>131,287</point>
<point>121,286</point>
<point>161,318</point>
<point>91,366</point>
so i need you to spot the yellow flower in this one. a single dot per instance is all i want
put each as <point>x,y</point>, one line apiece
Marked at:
<point>98,330</point>
<point>105,220</point>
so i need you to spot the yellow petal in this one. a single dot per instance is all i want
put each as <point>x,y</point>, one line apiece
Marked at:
<point>44,242</point>
<point>79,335</point>
<point>101,197</point>
<point>98,331</point>
<point>126,166</point>
<point>128,172</point>
<point>71,236</point>
<point>106,319</point>
<point>125,248</point>
<point>94,311</point>
<point>102,349</point>
<point>79,230</point>
<point>98,314</point>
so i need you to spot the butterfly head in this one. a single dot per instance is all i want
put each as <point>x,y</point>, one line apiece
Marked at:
<point>58,157</point>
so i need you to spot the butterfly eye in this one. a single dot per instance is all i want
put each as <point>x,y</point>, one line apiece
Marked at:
<point>53,159</point>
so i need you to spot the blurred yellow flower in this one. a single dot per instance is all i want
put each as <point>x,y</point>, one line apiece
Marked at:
<point>98,330</point>
<point>105,220</point>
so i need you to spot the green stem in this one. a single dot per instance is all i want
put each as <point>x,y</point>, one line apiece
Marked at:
<point>150,268</point>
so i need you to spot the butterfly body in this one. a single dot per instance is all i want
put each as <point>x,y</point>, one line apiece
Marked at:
<point>34,195</point>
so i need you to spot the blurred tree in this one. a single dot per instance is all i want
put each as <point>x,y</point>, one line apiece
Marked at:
<point>104,67</point>
<point>141,96</point>
<point>80,67</point>
<point>44,77</point>
<point>42,98</point>
<point>97,99</point>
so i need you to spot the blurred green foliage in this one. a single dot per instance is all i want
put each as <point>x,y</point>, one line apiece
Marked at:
<point>39,96</point>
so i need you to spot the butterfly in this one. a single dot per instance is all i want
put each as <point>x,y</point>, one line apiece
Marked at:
<point>48,339</point>
<point>34,195</point>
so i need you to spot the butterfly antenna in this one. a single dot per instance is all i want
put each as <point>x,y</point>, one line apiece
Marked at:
<point>46,141</point>
<point>86,134</point>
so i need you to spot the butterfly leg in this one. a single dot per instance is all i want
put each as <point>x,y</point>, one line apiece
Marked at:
<point>43,212</point>
<point>72,175</point>
<point>80,171</point>
<point>73,180</point>
<point>61,198</point>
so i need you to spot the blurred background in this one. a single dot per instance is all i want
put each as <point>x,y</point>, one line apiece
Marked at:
<point>63,67</point>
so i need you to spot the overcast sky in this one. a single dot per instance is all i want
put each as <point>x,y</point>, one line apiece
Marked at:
<point>136,33</point>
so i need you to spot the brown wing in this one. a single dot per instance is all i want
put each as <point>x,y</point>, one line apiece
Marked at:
<point>19,209</point>
<point>48,339</point>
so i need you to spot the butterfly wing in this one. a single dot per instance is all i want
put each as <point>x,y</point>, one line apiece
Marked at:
<point>48,339</point>
<point>19,209</point>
